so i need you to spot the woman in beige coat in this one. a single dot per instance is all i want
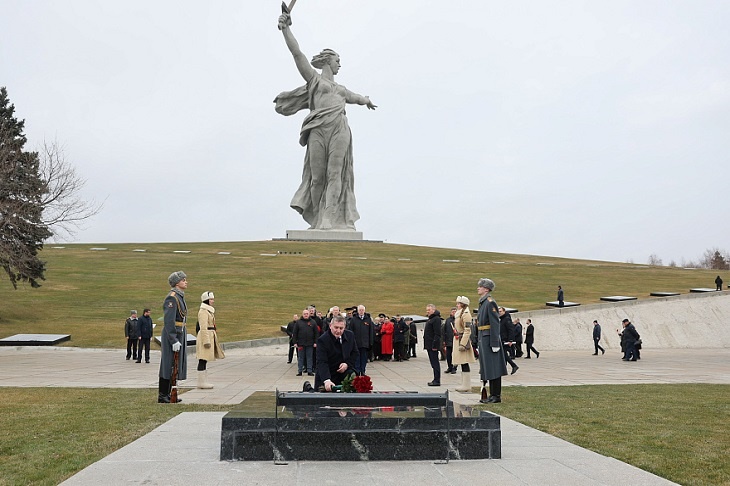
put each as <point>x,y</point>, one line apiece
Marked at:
<point>463,353</point>
<point>207,346</point>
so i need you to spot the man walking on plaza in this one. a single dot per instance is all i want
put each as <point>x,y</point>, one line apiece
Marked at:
<point>596,338</point>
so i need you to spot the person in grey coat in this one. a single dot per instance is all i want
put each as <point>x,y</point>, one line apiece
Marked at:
<point>491,353</point>
<point>174,335</point>
<point>131,332</point>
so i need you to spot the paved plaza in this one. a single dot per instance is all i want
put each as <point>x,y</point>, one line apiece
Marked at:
<point>192,439</point>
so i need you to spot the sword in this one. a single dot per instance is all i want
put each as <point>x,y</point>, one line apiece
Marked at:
<point>287,10</point>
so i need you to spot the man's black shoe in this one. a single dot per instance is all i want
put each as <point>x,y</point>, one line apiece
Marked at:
<point>163,399</point>
<point>527,357</point>
<point>299,374</point>
<point>310,374</point>
<point>594,354</point>
<point>603,351</point>
<point>434,383</point>
<point>148,361</point>
<point>138,361</point>
<point>514,369</point>
<point>494,399</point>
<point>288,362</point>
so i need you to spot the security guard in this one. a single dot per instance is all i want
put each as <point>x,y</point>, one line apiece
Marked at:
<point>174,335</point>
<point>491,354</point>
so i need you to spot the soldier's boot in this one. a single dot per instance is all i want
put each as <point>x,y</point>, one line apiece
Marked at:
<point>465,382</point>
<point>203,380</point>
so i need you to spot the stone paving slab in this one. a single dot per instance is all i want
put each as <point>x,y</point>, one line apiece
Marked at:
<point>192,440</point>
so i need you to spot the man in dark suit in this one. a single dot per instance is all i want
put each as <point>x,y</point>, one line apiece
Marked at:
<point>561,297</point>
<point>337,354</point>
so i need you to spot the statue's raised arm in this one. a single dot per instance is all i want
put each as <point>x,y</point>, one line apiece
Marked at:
<point>305,69</point>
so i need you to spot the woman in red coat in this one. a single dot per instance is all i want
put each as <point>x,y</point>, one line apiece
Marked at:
<point>386,340</point>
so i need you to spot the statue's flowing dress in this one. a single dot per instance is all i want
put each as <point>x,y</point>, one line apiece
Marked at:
<point>327,127</point>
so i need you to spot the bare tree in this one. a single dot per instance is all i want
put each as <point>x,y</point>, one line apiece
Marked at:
<point>63,209</point>
<point>655,261</point>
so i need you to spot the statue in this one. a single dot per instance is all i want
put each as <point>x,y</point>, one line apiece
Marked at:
<point>326,196</point>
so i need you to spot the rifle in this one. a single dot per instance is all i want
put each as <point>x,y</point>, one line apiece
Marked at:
<point>173,378</point>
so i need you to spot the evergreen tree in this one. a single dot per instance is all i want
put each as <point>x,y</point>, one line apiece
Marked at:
<point>22,191</point>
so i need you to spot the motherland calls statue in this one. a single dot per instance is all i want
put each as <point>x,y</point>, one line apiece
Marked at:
<point>326,196</point>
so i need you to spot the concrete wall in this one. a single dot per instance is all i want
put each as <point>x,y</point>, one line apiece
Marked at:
<point>700,320</point>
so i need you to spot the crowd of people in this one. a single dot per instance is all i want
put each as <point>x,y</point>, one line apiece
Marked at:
<point>342,342</point>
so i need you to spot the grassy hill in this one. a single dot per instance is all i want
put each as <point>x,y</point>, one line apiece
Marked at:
<point>88,293</point>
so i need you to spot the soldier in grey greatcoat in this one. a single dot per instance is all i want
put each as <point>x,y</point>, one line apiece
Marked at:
<point>174,334</point>
<point>491,354</point>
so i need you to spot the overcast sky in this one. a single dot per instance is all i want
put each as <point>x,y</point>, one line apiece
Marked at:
<point>588,129</point>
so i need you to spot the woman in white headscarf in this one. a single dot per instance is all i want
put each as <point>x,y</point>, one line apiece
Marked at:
<point>207,346</point>
<point>463,352</point>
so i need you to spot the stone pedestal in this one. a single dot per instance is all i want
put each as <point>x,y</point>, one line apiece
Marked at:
<point>323,235</point>
<point>382,426</point>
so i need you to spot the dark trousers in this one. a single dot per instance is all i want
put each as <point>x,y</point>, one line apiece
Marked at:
<point>398,351</point>
<point>531,348</point>
<point>598,346</point>
<point>449,356</point>
<point>630,353</point>
<point>495,387</point>
<point>518,349</point>
<point>412,349</point>
<point>144,343</point>
<point>291,351</point>
<point>132,348</point>
<point>508,355</point>
<point>362,361</point>
<point>433,357</point>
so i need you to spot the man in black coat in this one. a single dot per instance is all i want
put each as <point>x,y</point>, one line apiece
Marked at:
<point>432,342</point>
<point>337,354</point>
<point>131,332</point>
<point>413,338</point>
<point>145,334</point>
<point>507,333</point>
<point>290,333</point>
<point>630,337</point>
<point>597,338</point>
<point>305,337</point>
<point>363,328</point>
<point>561,297</point>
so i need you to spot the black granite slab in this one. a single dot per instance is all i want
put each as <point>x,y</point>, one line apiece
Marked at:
<point>702,289</point>
<point>555,303</point>
<point>34,339</point>
<point>664,294</point>
<point>357,427</point>
<point>617,298</point>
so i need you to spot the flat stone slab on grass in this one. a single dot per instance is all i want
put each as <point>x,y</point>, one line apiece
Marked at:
<point>34,339</point>
<point>617,298</point>
<point>555,303</point>
<point>664,294</point>
<point>702,289</point>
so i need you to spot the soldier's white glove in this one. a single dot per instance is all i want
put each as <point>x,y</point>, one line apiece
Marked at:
<point>176,347</point>
<point>495,350</point>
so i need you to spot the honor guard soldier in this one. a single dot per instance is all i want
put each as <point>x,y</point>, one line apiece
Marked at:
<point>174,335</point>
